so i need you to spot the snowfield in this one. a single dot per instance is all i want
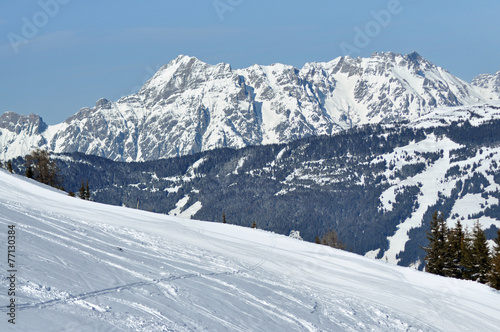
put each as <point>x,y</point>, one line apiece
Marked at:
<point>83,266</point>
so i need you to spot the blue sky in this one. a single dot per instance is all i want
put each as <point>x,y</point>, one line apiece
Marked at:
<point>57,56</point>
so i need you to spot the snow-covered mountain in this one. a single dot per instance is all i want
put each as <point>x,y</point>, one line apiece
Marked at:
<point>488,85</point>
<point>190,106</point>
<point>83,266</point>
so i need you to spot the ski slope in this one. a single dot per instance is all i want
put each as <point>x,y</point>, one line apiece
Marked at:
<point>84,266</point>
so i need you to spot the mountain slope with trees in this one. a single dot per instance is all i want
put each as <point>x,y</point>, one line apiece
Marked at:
<point>376,186</point>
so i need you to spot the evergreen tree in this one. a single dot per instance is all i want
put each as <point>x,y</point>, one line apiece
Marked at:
<point>317,240</point>
<point>82,192</point>
<point>224,218</point>
<point>29,172</point>
<point>437,249</point>
<point>9,166</point>
<point>453,259</point>
<point>87,191</point>
<point>254,225</point>
<point>494,277</point>
<point>480,255</point>
<point>467,260</point>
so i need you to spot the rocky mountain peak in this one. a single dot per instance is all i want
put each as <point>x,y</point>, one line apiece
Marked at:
<point>183,73</point>
<point>414,57</point>
<point>489,83</point>
<point>16,123</point>
<point>190,106</point>
<point>103,103</point>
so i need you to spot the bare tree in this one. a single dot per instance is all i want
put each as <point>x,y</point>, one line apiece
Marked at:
<point>331,239</point>
<point>43,169</point>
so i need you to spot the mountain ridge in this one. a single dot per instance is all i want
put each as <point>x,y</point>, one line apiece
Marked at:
<point>190,106</point>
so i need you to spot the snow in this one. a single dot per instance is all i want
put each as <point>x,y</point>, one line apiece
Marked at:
<point>190,106</point>
<point>398,158</point>
<point>476,114</point>
<point>470,204</point>
<point>430,181</point>
<point>179,206</point>
<point>197,164</point>
<point>84,266</point>
<point>183,212</point>
<point>241,162</point>
<point>191,211</point>
<point>173,189</point>
<point>433,183</point>
<point>280,154</point>
<point>372,253</point>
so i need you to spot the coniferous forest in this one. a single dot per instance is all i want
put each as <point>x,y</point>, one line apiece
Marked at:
<point>461,253</point>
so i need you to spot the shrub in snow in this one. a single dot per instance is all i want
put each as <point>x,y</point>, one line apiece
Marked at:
<point>295,235</point>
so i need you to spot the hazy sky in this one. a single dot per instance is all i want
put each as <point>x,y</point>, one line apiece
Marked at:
<point>57,56</point>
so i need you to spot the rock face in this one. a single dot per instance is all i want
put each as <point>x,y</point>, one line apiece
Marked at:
<point>488,84</point>
<point>31,125</point>
<point>189,106</point>
<point>19,134</point>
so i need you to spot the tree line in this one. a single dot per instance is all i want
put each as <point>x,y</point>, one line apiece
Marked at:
<point>458,253</point>
<point>39,166</point>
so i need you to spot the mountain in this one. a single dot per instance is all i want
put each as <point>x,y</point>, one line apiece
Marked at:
<point>83,266</point>
<point>376,185</point>
<point>488,84</point>
<point>189,106</point>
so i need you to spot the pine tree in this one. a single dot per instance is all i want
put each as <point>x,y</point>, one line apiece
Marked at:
<point>467,260</point>
<point>437,249</point>
<point>82,192</point>
<point>494,277</point>
<point>224,218</point>
<point>254,225</point>
<point>317,240</point>
<point>453,259</point>
<point>29,172</point>
<point>9,166</point>
<point>87,191</point>
<point>480,255</point>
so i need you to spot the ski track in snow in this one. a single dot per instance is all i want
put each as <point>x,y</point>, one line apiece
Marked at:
<point>84,266</point>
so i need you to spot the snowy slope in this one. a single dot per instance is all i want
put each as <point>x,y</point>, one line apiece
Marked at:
<point>190,106</point>
<point>488,85</point>
<point>84,266</point>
